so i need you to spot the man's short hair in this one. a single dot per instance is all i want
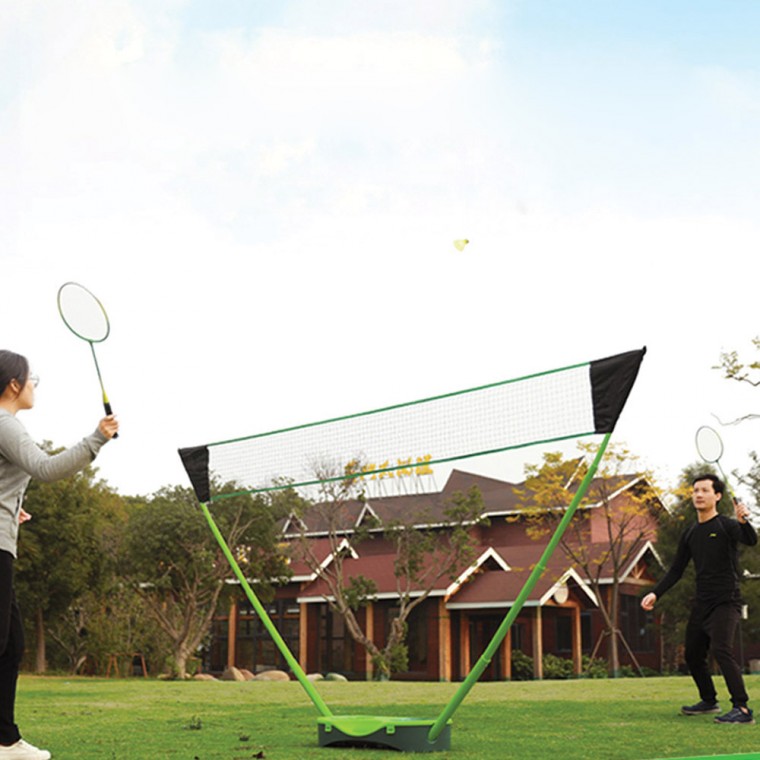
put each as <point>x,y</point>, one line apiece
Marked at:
<point>718,485</point>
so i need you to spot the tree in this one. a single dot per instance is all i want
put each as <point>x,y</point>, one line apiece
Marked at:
<point>60,555</point>
<point>174,563</point>
<point>734,368</point>
<point>626,522</point>
<point>423,555</point>
<point>749,557</point>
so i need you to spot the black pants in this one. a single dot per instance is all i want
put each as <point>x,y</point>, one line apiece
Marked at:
<point>11,650</point>
<point>714,630</point>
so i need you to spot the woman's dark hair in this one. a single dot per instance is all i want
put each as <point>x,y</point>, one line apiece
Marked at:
<point>718,485</point>
<point>12,367</point>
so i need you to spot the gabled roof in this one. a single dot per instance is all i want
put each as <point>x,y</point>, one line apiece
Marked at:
<point>630,571</point>
<point>500,498</point>
<point>489,554</point>
<point>323,552</point>
<point>500,589</point>
<point>493,580</point>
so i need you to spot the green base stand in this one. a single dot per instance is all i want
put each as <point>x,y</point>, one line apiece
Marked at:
<point>403,734</point>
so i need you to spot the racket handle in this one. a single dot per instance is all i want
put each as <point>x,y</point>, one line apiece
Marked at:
<point>107,407</point>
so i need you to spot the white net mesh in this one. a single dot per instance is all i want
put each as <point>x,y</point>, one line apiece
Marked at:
<point>409,438</point>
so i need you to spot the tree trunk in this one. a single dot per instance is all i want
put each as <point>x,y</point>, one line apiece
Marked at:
<point>614,660</point>
<point>180,663</point>
<point>40,661</point>
<point>614,654</point>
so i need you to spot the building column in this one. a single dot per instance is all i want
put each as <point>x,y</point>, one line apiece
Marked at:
<point>232,625</point>
<point>464,643</point>
<point>303,635</point>
<point>538,645</point>
<point>444,642</point>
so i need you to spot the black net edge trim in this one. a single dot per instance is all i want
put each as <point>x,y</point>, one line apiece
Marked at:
<point>611,382</point>
<point>196,460</point>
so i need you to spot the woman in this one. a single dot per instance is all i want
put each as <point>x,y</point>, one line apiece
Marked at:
<point>21,460</point>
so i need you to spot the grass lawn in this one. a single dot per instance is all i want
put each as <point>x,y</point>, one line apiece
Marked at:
<point>136,719</point>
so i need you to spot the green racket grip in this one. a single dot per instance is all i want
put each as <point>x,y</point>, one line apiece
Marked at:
<point>107,407</point>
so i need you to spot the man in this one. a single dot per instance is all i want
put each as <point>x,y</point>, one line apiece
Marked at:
<point>712,542</point>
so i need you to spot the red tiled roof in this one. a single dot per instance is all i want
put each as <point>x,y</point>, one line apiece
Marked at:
<point>499,497</point>
<point>485,585</point>
<point>482,587</point>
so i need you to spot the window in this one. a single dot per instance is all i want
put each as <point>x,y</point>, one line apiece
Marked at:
<point>255,648</point>
<point>336,646</point>
<point>518,635</point>
<point>635,624</point>
<point>416,639</point>
<point>564,632</point>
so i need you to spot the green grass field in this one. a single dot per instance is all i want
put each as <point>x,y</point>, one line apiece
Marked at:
<point>135,719</point>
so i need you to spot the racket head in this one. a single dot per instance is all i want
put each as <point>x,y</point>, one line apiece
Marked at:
<point>83,313</point>
<point>709,444</point>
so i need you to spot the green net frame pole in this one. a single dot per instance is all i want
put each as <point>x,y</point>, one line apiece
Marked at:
<point>485,658</point>
<point>265,619</point>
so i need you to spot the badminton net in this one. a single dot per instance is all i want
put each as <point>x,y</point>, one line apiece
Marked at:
<point>409,438</point>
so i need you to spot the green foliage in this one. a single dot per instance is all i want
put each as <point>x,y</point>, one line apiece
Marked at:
<point>596,668</point>
<point>449,548</point>
<point>195,724</point>
<point>102,624</point>
<point>600,543</point>
<point>62,550</point>
<point>359,592</point>
<point>393,659</point>
<point>749,557</point>
<point>522,666</point>
<point>173,561</point>
<point>734,368</point>
<point>559,668</point>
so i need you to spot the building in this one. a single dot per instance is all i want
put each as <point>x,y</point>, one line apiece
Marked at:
<point>460,613</point>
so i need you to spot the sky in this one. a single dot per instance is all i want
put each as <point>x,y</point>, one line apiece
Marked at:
<point>265,198</point>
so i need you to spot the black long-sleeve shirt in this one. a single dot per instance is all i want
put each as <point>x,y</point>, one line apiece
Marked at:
<point>714,547</point>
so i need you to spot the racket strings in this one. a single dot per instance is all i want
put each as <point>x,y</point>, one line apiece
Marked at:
<point>709,445</point>
<point>83,313</point>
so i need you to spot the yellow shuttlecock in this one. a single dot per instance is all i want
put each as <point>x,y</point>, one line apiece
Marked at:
<point>460,244</point>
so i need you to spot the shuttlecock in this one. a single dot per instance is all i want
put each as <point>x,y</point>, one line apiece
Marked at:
<point>460,244</point>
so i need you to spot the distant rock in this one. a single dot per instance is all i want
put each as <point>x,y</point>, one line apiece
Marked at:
<point>204,677</point>
<point>335,677</point>
<point>315,677</point>
<point>232,674</point>
<point>272,675</point>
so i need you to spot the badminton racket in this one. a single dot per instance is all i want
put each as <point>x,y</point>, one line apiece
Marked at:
<point>86,317</point>
<point>710,449</point>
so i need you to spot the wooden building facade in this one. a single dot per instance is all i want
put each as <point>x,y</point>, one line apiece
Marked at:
<point>451,628</point>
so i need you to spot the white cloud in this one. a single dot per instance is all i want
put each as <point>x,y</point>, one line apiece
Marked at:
<point>268,213</point>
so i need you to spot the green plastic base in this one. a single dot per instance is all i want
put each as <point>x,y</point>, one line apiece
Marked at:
<point>404,734</point>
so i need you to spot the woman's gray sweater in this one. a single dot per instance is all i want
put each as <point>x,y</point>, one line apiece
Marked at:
<point>21,459</point>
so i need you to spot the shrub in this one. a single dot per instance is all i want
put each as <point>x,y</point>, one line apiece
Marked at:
<point>595,668</point>
<point>522,666</point>
<point>557,668</point>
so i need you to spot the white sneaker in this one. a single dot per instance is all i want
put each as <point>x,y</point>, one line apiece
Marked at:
<point>22,750</point>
